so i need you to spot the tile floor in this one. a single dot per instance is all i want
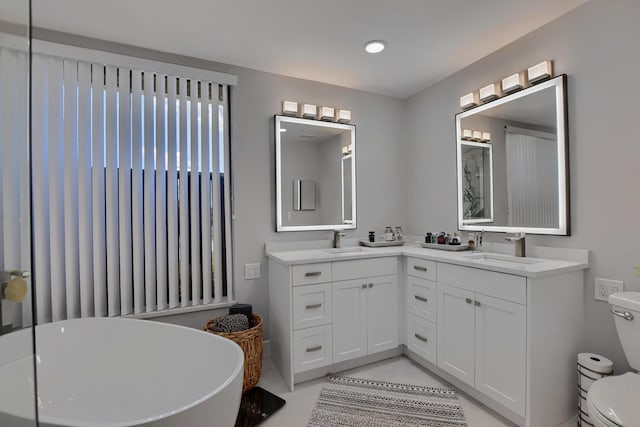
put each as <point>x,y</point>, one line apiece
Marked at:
<point>300,403</point>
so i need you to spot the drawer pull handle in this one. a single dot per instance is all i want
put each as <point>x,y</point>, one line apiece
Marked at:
<point>310,306</point>
<point>469,301</point>
<point>477,303</point>
<point>420,337</point>
<point>419,298</point>
<point>312,274</point>
<point>419,268</point>
<point>312,349</point>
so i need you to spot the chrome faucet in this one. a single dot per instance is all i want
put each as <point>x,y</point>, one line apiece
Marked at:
<point>337,238</point>
<point>519,242</point>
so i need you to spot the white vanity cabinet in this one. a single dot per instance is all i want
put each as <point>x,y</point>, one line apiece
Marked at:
<point>330,312</point>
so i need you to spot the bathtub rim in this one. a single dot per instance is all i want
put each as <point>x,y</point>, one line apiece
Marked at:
<point>238,370</point>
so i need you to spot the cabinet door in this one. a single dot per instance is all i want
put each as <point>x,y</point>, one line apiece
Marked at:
<point>382,308</point>
<point>349,319</point>
<point>501,330</point>
<point>456,332</point>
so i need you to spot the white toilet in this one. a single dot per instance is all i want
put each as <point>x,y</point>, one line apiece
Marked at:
<point>615,401</point>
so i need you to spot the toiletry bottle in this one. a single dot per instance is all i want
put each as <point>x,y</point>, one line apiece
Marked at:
<point>455,240</point>
<point>441,239</point>
<point>372,236</point>
<point>472,241</point>
<point>399,234</point>
<point>447,239</point>
<point>388,234</point>
<point>428,238</point>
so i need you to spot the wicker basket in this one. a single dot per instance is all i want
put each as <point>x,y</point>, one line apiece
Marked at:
<point>250,341</point>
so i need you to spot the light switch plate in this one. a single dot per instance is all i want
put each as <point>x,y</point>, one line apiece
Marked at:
<point>252,271</point>
<point>606,287</point>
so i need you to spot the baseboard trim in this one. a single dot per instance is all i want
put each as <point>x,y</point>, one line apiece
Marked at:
<point>346,365</point>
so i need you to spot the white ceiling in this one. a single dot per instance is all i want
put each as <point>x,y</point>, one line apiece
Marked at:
<point>319,40</point>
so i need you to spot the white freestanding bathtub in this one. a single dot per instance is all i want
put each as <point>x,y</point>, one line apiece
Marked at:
<point>113,372</point>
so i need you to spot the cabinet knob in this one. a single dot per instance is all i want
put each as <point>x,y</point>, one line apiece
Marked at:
<point>370,285</point>
<point>364,286</point>
<point>477,303</point>
<point>469,301</point>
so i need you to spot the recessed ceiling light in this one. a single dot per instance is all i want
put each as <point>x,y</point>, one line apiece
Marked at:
<point>375,46</point>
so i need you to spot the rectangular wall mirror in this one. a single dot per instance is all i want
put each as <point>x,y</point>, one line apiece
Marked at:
<point>519,182</point>
<point>315,175</point>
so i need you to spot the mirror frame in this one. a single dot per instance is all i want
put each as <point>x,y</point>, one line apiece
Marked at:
<point>560,85</point>
<point>278,152</point>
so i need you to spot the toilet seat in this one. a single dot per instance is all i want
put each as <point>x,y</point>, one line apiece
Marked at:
<point>614,401</point>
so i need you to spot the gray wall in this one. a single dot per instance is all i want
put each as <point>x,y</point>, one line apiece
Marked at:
<point>596,45</point>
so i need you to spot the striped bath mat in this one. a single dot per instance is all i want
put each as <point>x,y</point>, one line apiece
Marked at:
<point>347,401</point>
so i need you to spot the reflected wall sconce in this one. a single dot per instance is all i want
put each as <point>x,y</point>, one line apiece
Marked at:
<point>289,108</point>
<point>514,82</point>
<point>533,75</point>
<point>490,92</point>
<point>327,113</point>
<point>309,111</point>
<point>469,100</point>
<point>344,116</point>
<point>540,72</point>
<point>475,135</point>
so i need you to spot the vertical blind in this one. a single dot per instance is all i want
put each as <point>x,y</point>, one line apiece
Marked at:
<point>129,191</point>
<point>14,172</point>
<point>532,187</point>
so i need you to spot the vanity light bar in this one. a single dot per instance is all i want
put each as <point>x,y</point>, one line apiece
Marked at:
<point>540,72</point>
<point>490,92</point>
<point>534,74</point>
<point>289,108</point>
<point>309,111</point>
<point>514,82</point>
<point>327,113</point>
<point>469,100</point>
<point>475,135</point>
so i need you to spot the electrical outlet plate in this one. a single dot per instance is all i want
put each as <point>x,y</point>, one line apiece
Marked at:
<point>252,271</point>
<point>606,287</point>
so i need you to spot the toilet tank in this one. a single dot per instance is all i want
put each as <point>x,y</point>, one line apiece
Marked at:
<point>628,329</point>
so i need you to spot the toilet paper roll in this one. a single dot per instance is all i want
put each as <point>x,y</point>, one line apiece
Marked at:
<point>595,363</point>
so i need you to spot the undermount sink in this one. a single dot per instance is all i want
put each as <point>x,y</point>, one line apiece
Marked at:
<point>505,260</point>
<point>355,249</point>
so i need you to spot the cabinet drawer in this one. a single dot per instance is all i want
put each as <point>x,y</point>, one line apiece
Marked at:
<point>359,268</point>
<point>500,285</point>
<point>311,305</point>
<point>312,348</point>
<point>421,338</point>
<point>309,274</point>
<point>421,298</point>
<point>421,268</point>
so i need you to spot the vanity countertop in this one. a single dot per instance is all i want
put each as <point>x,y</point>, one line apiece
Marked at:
<point>544,262</point>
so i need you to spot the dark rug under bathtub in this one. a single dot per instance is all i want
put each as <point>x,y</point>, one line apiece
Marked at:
<point>356,402</point>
